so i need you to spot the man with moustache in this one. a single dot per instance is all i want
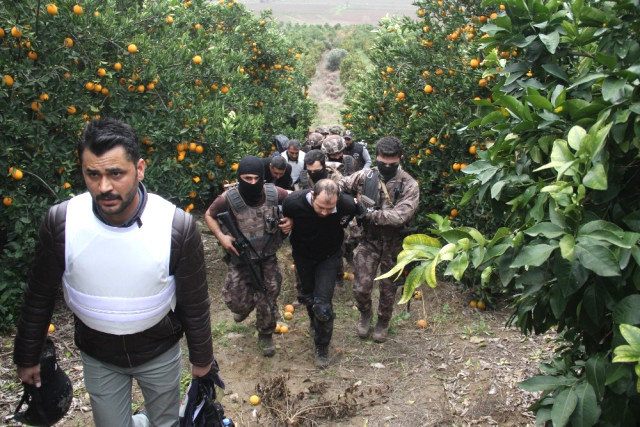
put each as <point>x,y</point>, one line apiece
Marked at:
<point>253,206</point>
<point>295,158</point>
<point>132,270</point>
<point>278,172</point>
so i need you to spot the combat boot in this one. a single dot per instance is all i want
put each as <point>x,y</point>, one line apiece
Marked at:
<point>237,317</point>
<point>364,323</point>
<point>322,356</point>
<point>266,342</point>
<point>380,331</point>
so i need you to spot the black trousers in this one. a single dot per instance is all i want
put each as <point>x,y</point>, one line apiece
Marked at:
<point>316,286</point>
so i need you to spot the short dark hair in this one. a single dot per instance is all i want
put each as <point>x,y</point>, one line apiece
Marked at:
<point>327,186</point>
<point>295,144</point>
<point>314,156</point>
<point>102,135</point>
<point>389,146</point>
<point>279,162</point>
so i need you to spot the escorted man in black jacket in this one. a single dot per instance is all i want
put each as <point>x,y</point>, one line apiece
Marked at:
<point>319,217</point>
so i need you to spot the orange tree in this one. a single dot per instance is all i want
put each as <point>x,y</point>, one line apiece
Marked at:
<point>421,89</point>
<point>202,83</point>
<point>561,168</point>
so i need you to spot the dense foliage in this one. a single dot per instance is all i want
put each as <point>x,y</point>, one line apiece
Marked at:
<point>560,125</point>
<point>203,84</point>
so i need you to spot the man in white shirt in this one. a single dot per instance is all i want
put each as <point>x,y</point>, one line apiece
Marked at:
<point>295,158</point>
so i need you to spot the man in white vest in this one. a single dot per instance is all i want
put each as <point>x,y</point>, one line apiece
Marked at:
<point>131,266</point>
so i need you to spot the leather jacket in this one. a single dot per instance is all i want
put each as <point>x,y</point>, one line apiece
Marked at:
<point>190,317</point>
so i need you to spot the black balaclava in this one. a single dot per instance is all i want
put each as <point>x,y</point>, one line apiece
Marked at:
<point>251,193</point>
<point>388,172</point>
<point>318,175</point>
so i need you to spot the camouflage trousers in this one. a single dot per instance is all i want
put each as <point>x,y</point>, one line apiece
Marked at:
<point>241,298</point>
<point>367,257</point>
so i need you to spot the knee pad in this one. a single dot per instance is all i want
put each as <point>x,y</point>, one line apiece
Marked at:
<point>323,312</point>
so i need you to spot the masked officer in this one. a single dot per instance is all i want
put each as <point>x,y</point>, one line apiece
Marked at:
<point>253,206</point>
<point>391,196</point>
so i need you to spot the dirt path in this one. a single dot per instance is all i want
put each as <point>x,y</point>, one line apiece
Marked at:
<point>328,93</point>
<point>461,370</point>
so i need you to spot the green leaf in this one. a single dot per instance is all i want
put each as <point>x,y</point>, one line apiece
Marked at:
<point>550,41</point>
<point>564,405</point>
<point>555,70</point>
<point>545,383</point>
<point>420,240</point>
<point>625,354</point>
<point>596,370</point>
<point>589,78</point>
<point>613,89</point>
<point>598,259</point>
<point>538,101</point>
<point>627,310</point>
<point>631,334</point>
<point>547,229</point>
<point>533,255</point>
<point>587,411</point>
<point>608,61</point>
<point>414,279</point>
<point>575,137</point>
<point>596,178</point>
<point>430,273</point>
<point>494,116</point>
<point>510,103</point>
<point>458,266</point>
<point>567,246</point>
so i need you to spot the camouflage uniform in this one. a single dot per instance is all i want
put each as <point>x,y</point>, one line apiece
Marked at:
<point>313,142</point>
<point>382,237</point>
<point>241,298</point>
<point>238,293</point>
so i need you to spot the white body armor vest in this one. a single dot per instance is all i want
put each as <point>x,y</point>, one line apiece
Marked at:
<point>117,280</point>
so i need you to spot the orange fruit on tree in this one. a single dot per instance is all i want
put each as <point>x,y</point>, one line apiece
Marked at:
<point>52,9</point>
<point>68,42</point>
<point>7,201</point>
<point>66,185</point>
<point>8,80</point>
<point>473,149</point>
<point>44,96</point>
<point>454,212</point>
<point>278,328</point>
<point>481,305</point>
<point>140,88</point>
<point>71,109</point>
<point>417,294</point>
<point>15,32</point>
<point>101,72</point>
<point>77,9</point>
<point>482,83</point>
<point>132,48</point>
<point>428,89</point>
<point>169,19</point>
<point>2,33</point>
<point>234,167</point>
<point>289,308</point>
<point>456,166</point>
<point>16,174</point>
<point>421,323</point>
<point>438,72</point>
<point>474,63</point>
<point>117,66</point>
<point>35,106</point>
<point>32,55</point>
<point>473,304</point>
<point>197,59</point>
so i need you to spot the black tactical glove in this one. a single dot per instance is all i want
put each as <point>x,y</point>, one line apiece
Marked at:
<point>361,213</point>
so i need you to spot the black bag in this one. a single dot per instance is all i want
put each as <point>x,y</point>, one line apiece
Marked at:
<point>49,403</point>
<point>199,407</point>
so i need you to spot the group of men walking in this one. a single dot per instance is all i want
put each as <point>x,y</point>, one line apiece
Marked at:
<point>132,268</point>
<point>374,205</point>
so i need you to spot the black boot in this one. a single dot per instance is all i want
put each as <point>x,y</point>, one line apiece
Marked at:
<point>322,356</point>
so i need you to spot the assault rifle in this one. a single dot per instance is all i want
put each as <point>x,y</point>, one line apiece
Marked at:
<point>244,248</point>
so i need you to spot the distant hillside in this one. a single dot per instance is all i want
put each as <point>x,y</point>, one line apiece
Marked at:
<point>332,11</point>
